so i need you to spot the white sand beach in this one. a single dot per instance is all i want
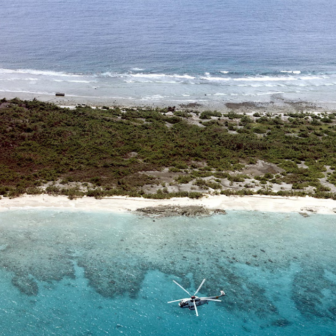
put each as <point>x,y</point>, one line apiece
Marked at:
<point>120,204</point>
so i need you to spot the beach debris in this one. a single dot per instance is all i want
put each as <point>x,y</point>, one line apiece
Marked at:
<point>59,94</point>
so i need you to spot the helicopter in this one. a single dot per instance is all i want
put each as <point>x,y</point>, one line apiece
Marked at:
<point>194,300</point>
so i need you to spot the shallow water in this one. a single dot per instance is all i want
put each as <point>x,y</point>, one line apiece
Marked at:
<point>81,273</point>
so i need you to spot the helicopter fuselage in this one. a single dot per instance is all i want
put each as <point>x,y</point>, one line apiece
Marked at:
<point>188,303</point>
<point>199,301</point>
<point>193,301</point>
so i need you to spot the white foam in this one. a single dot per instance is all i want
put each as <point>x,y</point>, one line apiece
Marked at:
<point>18,79</point>
<point>158,76</point>
<point>296,72</point>
<point>224,72</point>
<point>154,97</point>
<point>32,92</point>
<point>264,78</point>
<point>312,77</point>
<point>137,69</point>
<point>269,93</point>
<point>72,81</point>
<point>215,78</point>
<point>37,72</point>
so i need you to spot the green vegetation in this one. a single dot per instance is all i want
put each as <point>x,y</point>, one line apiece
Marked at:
<point>209,114</point>
<point>104,152</point>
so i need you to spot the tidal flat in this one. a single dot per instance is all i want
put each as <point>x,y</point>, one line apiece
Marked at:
<point>96,273</point>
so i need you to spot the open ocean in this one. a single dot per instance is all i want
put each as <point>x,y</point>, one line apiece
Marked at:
<point>169,51</point>
<point>99,273</point>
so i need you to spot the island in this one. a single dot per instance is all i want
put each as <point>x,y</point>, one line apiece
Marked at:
<point>165,153</point>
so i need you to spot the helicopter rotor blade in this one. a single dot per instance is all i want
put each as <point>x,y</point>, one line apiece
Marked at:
<point>174,301</point>
<point>195,308</point>
<point>214,300</point>
<point>182,287</point>
<point>200,286</point>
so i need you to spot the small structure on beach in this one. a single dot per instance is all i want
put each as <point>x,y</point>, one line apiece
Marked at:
<point>59,94</point>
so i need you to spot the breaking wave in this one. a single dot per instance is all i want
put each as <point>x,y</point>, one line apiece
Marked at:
<point>165,86</point>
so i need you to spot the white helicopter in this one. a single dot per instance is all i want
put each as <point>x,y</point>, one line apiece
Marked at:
<point>194,300</point>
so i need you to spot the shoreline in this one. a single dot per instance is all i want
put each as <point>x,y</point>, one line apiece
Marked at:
<point>120,204</point>
<point>273,104</point>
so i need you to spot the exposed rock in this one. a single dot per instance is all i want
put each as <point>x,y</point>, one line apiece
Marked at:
<point>191,105</point>
<point>261,168</point>
<point>171,210</point>
<point>249,105</point>
<point>4,105</point>
<point>304,214</point>
<point>309,209</point>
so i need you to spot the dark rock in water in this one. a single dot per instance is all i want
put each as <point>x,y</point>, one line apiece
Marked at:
<point>304,214</point>
<point>262,250</point>
<point>281,323</point>
<point>246,329</point>
<point>26,285</point>
<point>171,210</point>
<point>219,212</point>
<point>333,310</point>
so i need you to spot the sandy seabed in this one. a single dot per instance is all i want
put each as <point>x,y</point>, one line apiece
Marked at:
<point>120,204</point>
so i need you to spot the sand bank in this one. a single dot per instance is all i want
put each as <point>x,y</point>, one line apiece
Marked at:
<point>120,204</point>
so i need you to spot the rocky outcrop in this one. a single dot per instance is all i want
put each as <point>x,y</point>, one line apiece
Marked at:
<point>171,210</point>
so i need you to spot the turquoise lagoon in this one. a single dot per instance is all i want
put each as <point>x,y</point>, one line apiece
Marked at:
<point>100,273</point>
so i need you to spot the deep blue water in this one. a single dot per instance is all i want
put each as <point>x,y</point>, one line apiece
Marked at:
<point>170,50</point>
<point>81,273</point>
<point>168,36</point>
